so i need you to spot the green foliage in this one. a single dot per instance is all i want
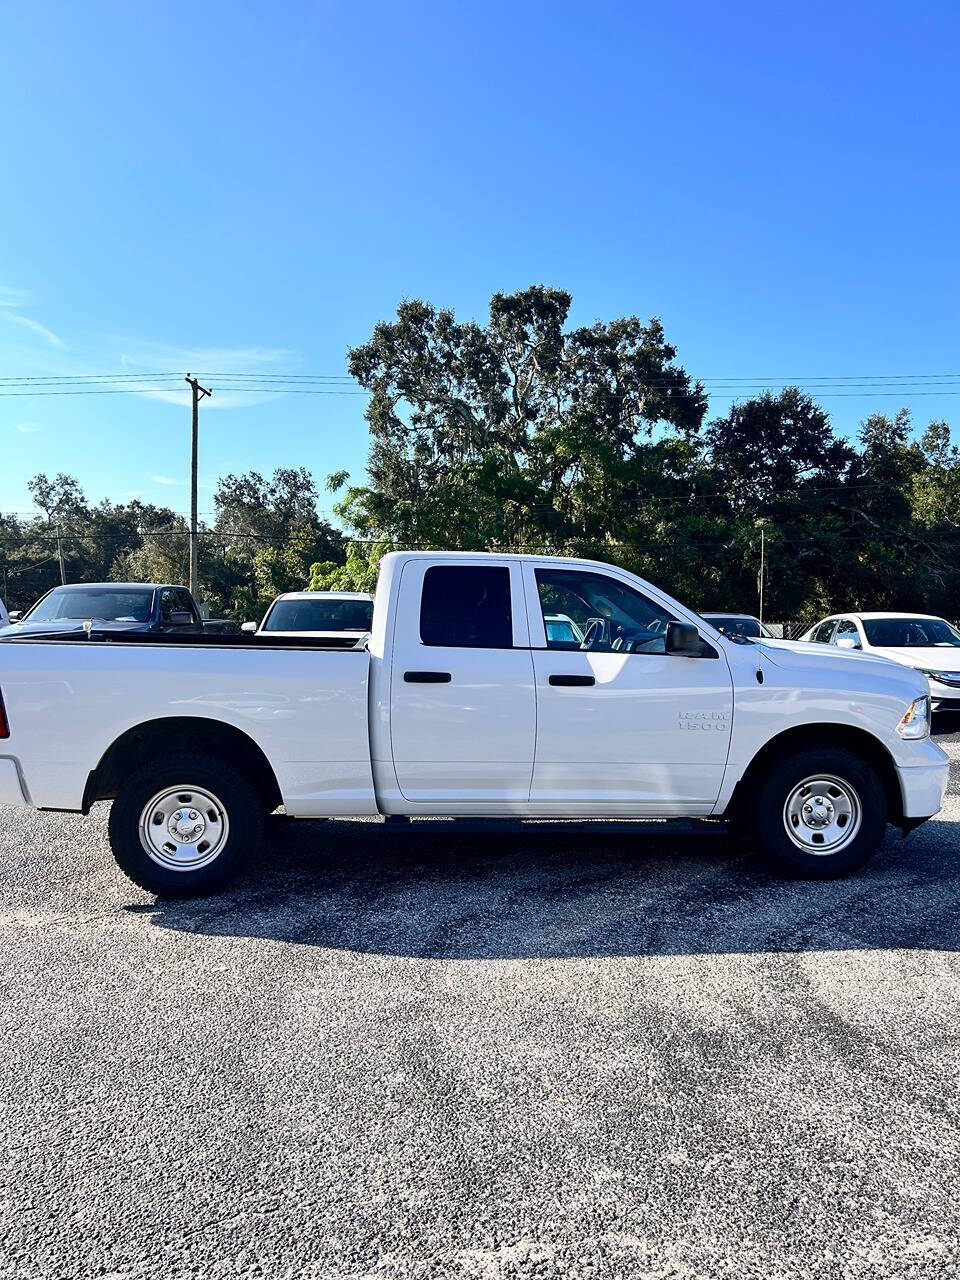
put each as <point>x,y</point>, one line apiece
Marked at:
<point>267,535</point>
<point>359,573</point>
<point>524,433</point>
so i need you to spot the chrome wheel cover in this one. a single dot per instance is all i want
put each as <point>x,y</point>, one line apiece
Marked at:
<point>822,814</point>
<point>184,828</point>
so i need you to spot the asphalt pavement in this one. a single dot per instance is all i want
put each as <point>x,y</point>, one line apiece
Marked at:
<point>458,1052</point>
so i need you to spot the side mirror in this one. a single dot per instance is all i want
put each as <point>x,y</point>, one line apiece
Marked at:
<point>848,642</point>
<point>249,627</point>
<point>15,615</point>
<point>180,618</point>
<point>683,638</point>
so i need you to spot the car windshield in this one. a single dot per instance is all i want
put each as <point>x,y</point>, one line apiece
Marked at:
<point>911,633</point>
<point>101,604</point>
<point>732,626</point>
<point>322,614</point>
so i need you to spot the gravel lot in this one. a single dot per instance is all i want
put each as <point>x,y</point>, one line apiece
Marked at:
<point>458,1052</point>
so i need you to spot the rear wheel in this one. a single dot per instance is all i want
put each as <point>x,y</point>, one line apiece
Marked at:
<point>185,825</point>
<point>818,814</point>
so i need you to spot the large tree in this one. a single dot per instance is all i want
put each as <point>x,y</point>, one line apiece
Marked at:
<point>520,432</point>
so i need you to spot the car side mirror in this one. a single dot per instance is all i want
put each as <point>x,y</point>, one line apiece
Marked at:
<point>848,642</point>
<point>15,615</point>
<point>249,627</point>
<point>683,638</point>
<point>180,618</point>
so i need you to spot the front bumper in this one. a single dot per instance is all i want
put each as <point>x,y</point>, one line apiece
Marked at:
<point>12,790</point>
<point>944,697</point>
<point>923,785</point>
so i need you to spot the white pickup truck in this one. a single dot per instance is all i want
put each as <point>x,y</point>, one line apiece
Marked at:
<point>466,703</point>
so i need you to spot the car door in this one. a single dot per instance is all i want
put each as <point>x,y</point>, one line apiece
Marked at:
<point>622,726</point>
<point>462,701</point>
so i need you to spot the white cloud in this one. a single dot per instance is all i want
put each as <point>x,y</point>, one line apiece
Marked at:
<point>27,428</point>
<point>33,325</point>
<point>166,480</point>
<point>212,364</point>
<point>13,297</point>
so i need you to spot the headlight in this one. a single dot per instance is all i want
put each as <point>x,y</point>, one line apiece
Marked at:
<point>916,719</point>
<point>944,677</point>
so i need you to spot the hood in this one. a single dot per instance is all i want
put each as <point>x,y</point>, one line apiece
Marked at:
<point>64,626</point>
<point>777,649</point>
<point>928,658</point>
<point>858,670</point>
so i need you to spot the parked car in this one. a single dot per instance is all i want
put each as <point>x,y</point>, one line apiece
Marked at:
<point>562,631</point>
<point>322,615</point>
<point>116,606</point>
<point>462,705</point>
<point>4,616</point>
<point>919,640</point>
<point>738,624</point>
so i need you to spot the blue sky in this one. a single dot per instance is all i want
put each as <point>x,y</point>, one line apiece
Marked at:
<point>250,188</point>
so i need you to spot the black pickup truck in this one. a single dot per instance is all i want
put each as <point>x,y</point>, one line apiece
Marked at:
<point>147,608</point>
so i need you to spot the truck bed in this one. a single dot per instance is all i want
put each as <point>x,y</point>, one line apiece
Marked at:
<point>303,703</point>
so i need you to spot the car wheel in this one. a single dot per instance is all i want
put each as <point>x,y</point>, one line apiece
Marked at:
<point>818,814</point>
<point>184,825</point>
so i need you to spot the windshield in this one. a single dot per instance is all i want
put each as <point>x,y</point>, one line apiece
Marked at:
<point>102,604</point>
<point>911,633</point>
<point>322,614</point>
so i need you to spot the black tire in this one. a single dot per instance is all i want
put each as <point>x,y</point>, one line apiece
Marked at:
<point>763,814</point>
<point>242,830</point>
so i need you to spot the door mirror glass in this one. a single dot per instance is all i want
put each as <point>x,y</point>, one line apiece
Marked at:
<point>683,638</point>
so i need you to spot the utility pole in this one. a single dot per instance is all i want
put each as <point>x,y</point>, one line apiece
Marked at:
<point>761,571</point>
<point>198,394</point>
<point>63,572</point>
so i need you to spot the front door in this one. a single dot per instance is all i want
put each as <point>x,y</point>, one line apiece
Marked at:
<point>622,726</point>
<point>462,701</point>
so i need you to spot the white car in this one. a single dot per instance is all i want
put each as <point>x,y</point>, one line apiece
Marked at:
<point>4,616</point>
<point>319,615</point>
<point>919,640</point>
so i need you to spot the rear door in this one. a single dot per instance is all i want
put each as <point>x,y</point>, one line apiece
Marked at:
<point>622,726</point>
<point>462,700</point>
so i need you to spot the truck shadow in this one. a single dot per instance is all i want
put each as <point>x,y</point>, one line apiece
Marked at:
<point>469,890</point>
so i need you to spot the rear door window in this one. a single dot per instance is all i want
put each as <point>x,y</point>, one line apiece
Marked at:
<point>467,607</point>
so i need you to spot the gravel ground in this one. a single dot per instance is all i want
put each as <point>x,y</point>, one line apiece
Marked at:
<point>459,1052</point>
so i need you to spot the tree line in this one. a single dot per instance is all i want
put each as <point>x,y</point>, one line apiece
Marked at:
<point>527,434</point>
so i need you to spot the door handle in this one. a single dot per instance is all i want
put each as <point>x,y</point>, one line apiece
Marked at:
<point>573,682</point>
<point>427,677</point>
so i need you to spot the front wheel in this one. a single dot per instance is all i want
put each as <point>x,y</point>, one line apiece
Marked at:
<point>184,825</point>
<point>818,814</point>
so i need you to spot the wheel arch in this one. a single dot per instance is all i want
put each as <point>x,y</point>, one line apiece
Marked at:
<point>159,737</point>
<point>848,737</point>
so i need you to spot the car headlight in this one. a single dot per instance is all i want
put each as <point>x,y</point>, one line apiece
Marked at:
<point>944,677</point>
<point>916,719</point>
